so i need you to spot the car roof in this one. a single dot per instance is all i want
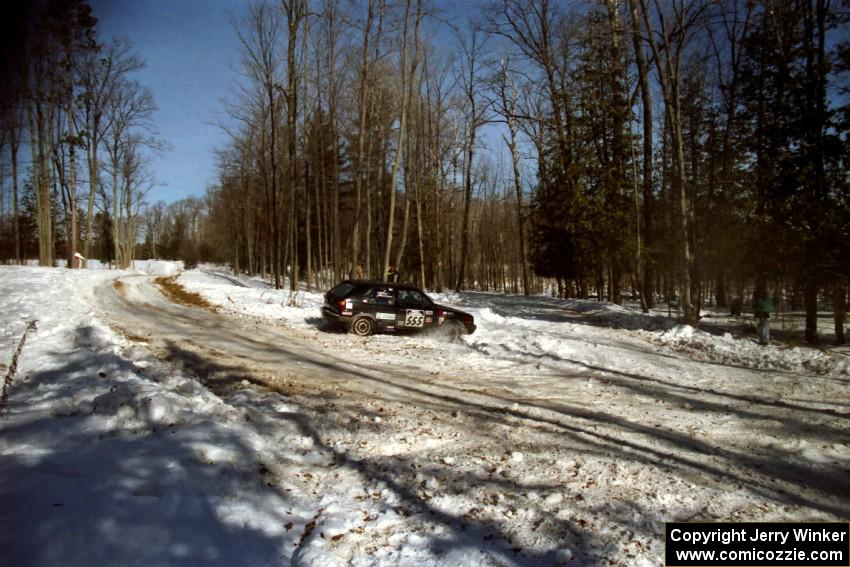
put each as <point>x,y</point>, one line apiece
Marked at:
<point>383,283</point>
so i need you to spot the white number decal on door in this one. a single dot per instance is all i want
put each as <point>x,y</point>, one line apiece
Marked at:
<point>414,318</point>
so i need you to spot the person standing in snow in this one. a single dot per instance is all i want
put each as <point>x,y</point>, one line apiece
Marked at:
<point>392,273</point>
<point>762,308</point>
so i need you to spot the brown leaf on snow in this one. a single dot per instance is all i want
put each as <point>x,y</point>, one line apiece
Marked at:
<point>308,529</point>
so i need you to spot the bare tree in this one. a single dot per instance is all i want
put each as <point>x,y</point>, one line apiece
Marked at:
<point>295,11</point>
<point>646,268</point>
<point>13,127</point>
<point>531,27</point>
<point>36,87</point>
<point>331,35</point>
<point>100,75</point>
<point>130,110</point>
<point>506,106</point>
<point>359,165</point>
<point>135,182</point>
<point>668,45</point>
<point>261,42</point>
<point>470,81</point>
<point>406,93</point>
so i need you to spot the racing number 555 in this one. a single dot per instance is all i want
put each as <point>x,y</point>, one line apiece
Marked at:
<point>414,318</point>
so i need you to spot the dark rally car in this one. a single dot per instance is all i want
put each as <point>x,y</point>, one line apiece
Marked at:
<point>365,307</point>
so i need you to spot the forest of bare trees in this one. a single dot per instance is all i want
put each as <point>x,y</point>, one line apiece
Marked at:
<point>678,152</point>
<point>82,126</point>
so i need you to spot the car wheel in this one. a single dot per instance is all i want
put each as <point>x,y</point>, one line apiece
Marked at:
<point>362,326</point>
<point>452,330</point>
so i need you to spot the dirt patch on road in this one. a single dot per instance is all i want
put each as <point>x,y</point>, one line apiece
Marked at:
<point>177,293</point>
<point>130,336</point>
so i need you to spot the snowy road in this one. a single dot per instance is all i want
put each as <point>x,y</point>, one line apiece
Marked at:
<point>545,438</point>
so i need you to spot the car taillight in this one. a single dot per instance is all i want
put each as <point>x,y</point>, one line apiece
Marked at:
<point>341,304</point>
<point>467,319</point>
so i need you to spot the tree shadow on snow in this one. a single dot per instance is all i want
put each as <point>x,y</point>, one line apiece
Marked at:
<point>76,492</point>
<point>400,476</point>
<point>775,474</point>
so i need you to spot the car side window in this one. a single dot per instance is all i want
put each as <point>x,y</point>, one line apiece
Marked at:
<point>380,296</point>
<point>411,298</point>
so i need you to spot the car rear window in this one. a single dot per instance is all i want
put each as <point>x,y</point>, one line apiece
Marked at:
<point>341,290</point>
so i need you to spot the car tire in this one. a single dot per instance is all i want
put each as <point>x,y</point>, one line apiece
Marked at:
<point>362,326</point>
<point>453,330</point>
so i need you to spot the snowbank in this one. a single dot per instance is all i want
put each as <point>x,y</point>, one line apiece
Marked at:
<point>726,349</point>
<point>159,267</point>
<point>255,297</point>
<point>151,267</point>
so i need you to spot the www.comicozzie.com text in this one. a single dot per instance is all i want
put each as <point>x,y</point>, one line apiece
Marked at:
<point>744,534</point>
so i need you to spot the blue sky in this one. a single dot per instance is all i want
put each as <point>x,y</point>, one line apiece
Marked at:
<point>192,54</point>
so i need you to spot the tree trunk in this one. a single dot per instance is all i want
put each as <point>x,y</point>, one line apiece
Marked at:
<point>116,216</point>
<point>668,73</point>
<point>73,237</point>
<point>816,69</point>
<point>275,214</point>
<point>294,13</point>
<point>467,203</point>
<point>130,229</point>
<point>417,191</point>
<point>646,269</point>
<point>509,107</point>
<point>361,139</point>
<point>720,291</point>
<point>402,244</point>
<point>420,236</point>
<point>332,239</point>
<point>840,310</point>
<point>72,191</point>
<point>307,226</point>
<point>93,167</point>
<point>405,101</point>
<point>14,135</point>
<point>43,201</point>
<point>320,181</point>
<point>810,299</point>
<point>305,154</point>
<point>371,188</point>
<point>470,93</point>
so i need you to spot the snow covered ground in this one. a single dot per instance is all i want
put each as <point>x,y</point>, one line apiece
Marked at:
<point>111,457</point>
<point>522,328</point>
<point>560,433</point>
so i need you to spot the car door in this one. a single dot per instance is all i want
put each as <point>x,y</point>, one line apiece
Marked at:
<point>380,302</point>
<point>430,312</point>
<point>415,311</point>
